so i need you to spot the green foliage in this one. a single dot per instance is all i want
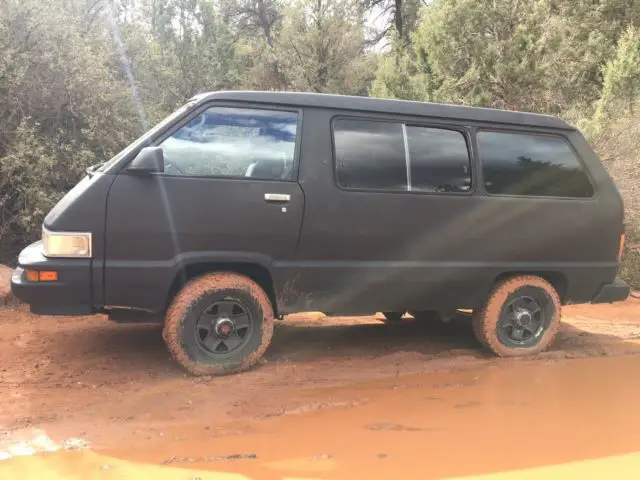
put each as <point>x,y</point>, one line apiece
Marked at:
<point>630,269</point>
<point>621,84</point>
<point>186,48</point>
<point>544,56</point>
<point>399,76</point>
<point>35,172</point>
<point>480,53</point>
<point>322,47</point>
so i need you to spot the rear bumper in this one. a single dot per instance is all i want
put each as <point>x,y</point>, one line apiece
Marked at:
<point>612,292</point>
<point>69,295</point>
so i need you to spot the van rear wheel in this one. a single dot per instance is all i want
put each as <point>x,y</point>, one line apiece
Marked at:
<point>218,324</point>
<point>520,317</point>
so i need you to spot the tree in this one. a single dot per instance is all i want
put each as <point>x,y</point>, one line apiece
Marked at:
<point>400,75</point>
<point>178,48</point>
<point>322,47</point>
<point>621,77</point>
<point>257,25</point>
<point>257,17</point>
<point>400,18</point>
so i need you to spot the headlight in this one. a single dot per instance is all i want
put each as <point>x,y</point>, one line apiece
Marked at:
<point>66,244</point>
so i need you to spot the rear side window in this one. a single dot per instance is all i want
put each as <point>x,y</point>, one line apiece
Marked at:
<point>535,165</point>
<point>439,160</point>
<point>370,155</point>
<point>234,142</point>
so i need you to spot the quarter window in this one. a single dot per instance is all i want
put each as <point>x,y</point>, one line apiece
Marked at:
<point>536,165</point>
<point>234,142</point>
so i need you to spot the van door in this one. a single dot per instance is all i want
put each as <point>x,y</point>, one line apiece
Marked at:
<point>229,194</point>
<point>389,215</point>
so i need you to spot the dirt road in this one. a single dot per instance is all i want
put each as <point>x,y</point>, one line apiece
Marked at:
<point>335,398</point>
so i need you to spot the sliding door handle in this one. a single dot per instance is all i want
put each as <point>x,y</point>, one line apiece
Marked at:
<point>277,197</point>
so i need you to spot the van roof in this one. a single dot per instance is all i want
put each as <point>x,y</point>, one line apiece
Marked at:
<point>400,107</point>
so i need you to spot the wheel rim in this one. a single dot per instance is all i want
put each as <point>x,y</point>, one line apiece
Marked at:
<point>522,321</point>
<point>223,327</point>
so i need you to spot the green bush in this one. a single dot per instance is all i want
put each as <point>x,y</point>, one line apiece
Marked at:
<point>630,269</point>
<point>34,173</point>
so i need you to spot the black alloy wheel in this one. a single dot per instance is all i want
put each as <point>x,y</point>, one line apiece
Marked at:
<point>524,318</point>
<point>223,327</point>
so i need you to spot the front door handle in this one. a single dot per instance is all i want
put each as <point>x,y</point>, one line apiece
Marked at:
<point>277,197</point>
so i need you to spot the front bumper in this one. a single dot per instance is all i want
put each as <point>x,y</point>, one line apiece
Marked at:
<point>612,292</point>
<point>69,295</point>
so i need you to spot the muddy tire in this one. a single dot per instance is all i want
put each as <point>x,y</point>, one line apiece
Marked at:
<point>520,317</point>
<point>218,324</point>
<point>392,317</point>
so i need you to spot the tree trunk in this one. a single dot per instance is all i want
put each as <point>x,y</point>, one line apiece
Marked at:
<point>398,19</point>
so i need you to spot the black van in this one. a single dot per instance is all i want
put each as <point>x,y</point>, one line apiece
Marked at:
<point>241,207</point>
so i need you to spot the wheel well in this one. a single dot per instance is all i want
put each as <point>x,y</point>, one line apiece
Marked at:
<point>257,273</point>
<point>557,280</point>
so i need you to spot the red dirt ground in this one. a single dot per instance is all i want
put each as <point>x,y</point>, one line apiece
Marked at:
<point>116,385</point>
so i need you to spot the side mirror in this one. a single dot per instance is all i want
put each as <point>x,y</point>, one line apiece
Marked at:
<point>148,160</point>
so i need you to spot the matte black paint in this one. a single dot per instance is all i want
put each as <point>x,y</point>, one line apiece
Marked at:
<point>613,292</point>
<point>334,250</point>
<point>69,295</point>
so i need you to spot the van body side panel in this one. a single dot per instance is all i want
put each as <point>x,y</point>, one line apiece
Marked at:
<point>83,209</point>
<point>158,224</point>
<point>365,251</point>
<point>610,203</point>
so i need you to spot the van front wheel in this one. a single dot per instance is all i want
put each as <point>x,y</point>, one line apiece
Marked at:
<point>520,317</point>
<point>219,323</point>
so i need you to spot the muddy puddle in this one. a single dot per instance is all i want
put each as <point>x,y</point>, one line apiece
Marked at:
<point>508,418</point>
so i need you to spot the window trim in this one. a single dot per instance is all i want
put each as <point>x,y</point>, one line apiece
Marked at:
<point>464,132</point>
<point>229,104</point>
<point>532,133</point>
<point>407,155</point>
<point>412,122</point>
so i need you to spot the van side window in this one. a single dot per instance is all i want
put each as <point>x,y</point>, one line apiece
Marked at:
<point>234,142</point>
<point>439,160</point>
<point>393,156</point>
<point>528,164</point>
<point>370,155</point>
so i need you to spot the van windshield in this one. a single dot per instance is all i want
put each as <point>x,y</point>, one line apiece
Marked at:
<point>146,136</point>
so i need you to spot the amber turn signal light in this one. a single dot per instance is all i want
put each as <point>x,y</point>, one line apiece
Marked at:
<point>621,248</point>
<point>33,276</point>
<point>48,276</point>
<point>42,276</point>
